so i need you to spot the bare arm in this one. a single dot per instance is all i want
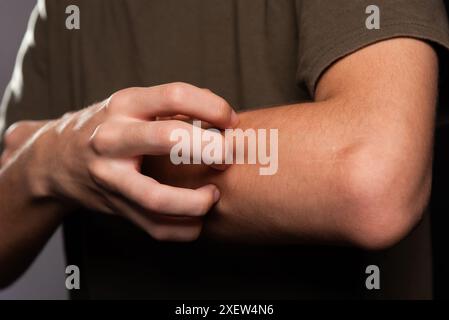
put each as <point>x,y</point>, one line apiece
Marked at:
<point>91,159</point>
<point>26,223</point>
<point>354,166</point>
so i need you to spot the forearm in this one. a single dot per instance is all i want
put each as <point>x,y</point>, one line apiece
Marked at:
<point>354,166</point>
<point>302,201</point>
<point>26,222</point>
<point>345,175</point>
<point>308,198</point>
<point>336,181</point>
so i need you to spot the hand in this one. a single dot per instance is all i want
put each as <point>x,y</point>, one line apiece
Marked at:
<point>93,157</point>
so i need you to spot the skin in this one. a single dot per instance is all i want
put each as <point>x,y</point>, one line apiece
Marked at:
<point>92,158</point>
<point>354,165</point>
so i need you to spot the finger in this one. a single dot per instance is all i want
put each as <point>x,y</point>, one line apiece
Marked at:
<point>173,99</point>
<point>204,124</point>
<point>179,117</point>
<point>159,227</point>
<point>135,138</point>
<point>153,196</point>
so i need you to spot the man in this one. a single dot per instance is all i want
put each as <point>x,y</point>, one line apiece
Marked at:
<point>355,110</point>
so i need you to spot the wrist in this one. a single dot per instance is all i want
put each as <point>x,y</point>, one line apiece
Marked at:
<point>42,170</point>
<point>37,166</point>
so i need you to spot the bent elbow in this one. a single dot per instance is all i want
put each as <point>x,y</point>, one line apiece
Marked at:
<point>385,202</point>
<point>383,230</point>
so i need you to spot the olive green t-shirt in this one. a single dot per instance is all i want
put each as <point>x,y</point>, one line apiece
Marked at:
<point>254,53</point>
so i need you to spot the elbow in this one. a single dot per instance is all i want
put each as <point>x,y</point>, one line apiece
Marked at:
<point>385,201</point>
<point>382,230</point>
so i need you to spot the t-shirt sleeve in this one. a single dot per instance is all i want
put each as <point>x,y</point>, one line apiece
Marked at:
<point>330,29</point>
<point>27,94</point>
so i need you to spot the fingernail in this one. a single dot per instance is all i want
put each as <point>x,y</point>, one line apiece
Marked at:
<point>234,119</point>
<point>216,195</point>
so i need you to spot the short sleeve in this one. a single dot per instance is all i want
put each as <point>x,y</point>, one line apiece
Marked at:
<point>330,29</point>
<point>27,94</point>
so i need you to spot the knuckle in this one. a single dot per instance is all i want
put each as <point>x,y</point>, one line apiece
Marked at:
<point>118,99</point>
<point>96,170</point>
<point>102,138</point>
<point>174,93</point>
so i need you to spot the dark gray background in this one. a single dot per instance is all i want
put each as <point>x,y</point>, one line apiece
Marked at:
<point>46,278</point>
